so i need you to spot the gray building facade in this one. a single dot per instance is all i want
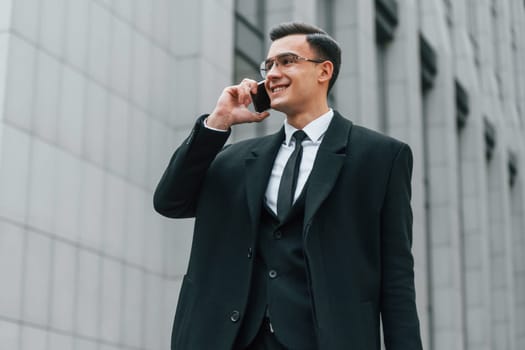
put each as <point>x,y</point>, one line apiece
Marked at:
<point>95,95</point>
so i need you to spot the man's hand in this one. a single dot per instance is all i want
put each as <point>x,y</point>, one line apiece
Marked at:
<point>232,106</point>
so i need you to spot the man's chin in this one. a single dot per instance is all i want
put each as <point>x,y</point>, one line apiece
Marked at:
<point>278,106</point>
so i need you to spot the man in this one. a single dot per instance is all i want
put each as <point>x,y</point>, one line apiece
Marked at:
<point>302,240</point>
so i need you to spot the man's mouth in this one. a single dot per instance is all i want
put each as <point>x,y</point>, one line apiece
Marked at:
<point>279,88</point>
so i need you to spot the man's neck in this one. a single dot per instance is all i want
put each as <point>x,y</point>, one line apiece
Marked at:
<point>301,119</point>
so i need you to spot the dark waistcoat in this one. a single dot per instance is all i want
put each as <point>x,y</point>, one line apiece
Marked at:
<point>280,287</point>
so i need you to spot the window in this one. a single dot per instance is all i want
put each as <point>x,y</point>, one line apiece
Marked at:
<point>249,39</point>
<point>325,15</point>
<point>249,51</point>
<point>472,23</point>
<point>448,13</point>
<point>326,20</point>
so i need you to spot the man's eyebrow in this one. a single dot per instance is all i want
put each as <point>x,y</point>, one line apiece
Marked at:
<point>281,54</point>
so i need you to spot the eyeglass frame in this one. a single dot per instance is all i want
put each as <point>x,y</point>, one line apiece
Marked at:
<point>263,70</point>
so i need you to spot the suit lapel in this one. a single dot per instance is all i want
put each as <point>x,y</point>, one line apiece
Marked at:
<point>327,165</point>
<point>259,164</point>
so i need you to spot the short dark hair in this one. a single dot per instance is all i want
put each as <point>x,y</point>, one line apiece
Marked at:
<point>322,43</point>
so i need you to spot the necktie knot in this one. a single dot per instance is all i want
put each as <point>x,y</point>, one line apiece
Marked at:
<point>299,136</point>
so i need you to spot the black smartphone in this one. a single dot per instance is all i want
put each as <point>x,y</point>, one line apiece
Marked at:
<point>261,100</point>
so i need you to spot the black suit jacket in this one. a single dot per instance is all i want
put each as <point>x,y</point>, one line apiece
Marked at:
<point>357,236</point>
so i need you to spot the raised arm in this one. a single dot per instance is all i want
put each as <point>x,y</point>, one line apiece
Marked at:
<point>178,191</point>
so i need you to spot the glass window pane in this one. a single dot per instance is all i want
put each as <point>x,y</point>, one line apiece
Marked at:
<point>249,9</point>
<point>244,69</point>
<point>249,42</point>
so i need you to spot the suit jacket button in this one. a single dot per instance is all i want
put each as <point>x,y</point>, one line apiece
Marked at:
<point>235,316</point>
<point>277,235</point>
<point>272,274</point>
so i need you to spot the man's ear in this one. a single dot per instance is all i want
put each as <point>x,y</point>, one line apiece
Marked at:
<point>326,71</point>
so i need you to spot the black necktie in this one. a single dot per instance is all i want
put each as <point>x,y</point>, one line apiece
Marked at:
<point>289,178</point>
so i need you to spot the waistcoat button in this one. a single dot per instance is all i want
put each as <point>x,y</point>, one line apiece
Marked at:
<point>277,235</point>
<point>235,315</point>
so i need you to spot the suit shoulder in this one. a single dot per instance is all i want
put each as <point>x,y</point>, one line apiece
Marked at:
<point>242,147</point>
<point>371,144</point>
<point>363,134</point>
<point>248,143</point>
<point>374,138</point>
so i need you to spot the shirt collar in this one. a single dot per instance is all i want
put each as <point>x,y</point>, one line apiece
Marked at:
<point>315,130</point>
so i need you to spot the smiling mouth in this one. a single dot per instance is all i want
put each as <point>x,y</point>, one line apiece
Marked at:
<point>279,89</point>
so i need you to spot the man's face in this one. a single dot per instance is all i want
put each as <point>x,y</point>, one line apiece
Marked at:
<point>293,86</point>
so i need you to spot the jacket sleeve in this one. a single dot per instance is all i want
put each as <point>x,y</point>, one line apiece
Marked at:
<point>398,307</point>
<point>177,193</point>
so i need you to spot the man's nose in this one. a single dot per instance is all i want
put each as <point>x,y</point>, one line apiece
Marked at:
<point>275,71</point>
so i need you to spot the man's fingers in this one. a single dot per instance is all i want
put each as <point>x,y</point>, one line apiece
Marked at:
<point>236,99</point>
<point>243,93</point>
<point>264,115</point>
<point>244,97</point>
<point>260,116</point>
<point>244,115</point>
<point>250,84</point>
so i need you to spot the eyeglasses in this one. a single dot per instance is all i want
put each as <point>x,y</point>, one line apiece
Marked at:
<point>284,60</point>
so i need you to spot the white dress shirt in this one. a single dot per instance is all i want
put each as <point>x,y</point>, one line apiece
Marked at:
<point>315,131</point>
